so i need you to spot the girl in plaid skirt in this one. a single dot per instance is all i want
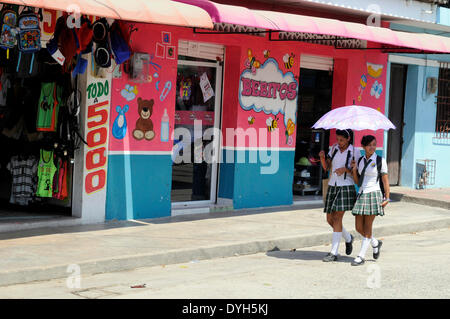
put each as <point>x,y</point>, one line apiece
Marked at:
<point>367,173</point>
<point>341,194</point>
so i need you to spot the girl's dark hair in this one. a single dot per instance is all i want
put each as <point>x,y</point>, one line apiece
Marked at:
<point>367,139</point>
<point>346,133</point>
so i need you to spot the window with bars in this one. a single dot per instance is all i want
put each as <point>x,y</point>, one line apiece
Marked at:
<point>443,102</point>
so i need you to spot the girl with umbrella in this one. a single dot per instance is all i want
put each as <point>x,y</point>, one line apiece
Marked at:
<point>341,194</point>
<point>370,203</point>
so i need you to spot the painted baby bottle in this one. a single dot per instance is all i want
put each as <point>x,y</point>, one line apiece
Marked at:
<point>165,127</point>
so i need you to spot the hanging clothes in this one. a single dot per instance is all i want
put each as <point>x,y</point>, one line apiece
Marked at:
<point>62,181</point>
<point>5,86</point>
<point>46,172</point>
<point>64,192</point>
<point>56,178</point>
<point>24,181</point>
<point>48,108</point>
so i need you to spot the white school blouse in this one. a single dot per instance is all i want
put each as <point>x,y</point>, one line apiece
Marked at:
<point>370,183</point>
<point>338,162</point>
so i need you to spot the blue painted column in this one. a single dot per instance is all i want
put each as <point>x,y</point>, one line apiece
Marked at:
<point>139,186</point>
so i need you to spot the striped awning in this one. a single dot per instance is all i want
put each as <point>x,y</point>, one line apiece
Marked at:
<point>149,11</point>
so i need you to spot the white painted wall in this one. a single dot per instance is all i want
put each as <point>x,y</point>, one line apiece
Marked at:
<point>91,206</point>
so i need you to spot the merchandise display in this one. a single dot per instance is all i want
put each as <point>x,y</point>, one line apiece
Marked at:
<point>40,100</point>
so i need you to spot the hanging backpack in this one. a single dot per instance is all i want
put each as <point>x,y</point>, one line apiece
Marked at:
<point>29,36</point>
<point>8,36</point>
<point>119,44</point>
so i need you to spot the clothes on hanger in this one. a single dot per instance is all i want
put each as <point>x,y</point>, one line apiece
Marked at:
<point>24,179</point>
<point>46,172</point>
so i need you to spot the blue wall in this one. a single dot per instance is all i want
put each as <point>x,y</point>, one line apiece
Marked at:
<point>251,187</point>
<point>443,16</point>
<point>139,186</point>
<point>420,114</point>
<point>226,175</point>
<point>420,120</point>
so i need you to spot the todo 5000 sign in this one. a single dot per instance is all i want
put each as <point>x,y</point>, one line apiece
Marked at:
<point>96,138</point>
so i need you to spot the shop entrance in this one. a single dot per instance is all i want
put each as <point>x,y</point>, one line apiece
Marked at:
<point>396,112</point>
<point>197,115</point>
<point>37,149</point>
<point>315,97</point>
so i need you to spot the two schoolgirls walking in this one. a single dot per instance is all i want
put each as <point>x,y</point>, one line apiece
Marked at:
<point>347,169</point>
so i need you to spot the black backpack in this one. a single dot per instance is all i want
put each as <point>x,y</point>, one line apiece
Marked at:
<point>379,179</point>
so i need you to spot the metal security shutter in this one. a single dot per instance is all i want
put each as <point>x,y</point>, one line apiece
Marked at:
<point>201,50</point>
<point>316,62</point>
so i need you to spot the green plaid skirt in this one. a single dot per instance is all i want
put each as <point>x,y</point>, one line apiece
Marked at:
<point>340,199</point>
<point>369,204</point>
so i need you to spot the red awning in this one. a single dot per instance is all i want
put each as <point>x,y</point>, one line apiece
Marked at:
<point>279,21</point>
<point>149,11</point>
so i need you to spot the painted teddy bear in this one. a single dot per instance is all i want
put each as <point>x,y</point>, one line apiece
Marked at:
<point>144,125</point>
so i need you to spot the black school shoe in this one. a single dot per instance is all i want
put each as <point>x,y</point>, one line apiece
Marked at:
<point>349,246</point>
<point>355,263</point>
<point>376,255</point>
<point>329,257</point>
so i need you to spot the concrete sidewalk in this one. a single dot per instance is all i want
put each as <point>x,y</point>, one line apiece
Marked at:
<point>436,197</point>
<point>44,254</point>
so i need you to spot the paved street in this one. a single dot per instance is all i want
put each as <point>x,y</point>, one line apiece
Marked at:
<point>413,265</point>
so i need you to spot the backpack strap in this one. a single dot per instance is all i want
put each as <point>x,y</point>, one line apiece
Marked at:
<point>334,152</point>
<point>359,161</point>
<point>349,154</point>
<point>378,167</point>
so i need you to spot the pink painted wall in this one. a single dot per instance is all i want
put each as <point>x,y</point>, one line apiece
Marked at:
<point>364,84</point>
<point>158,90</point>
<point>350,66</point>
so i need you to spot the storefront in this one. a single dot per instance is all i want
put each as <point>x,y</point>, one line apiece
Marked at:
<point>246,87</point>
<point>56,84</point>
<point>39,122</point>
<point>198,120</point>
<point>249,79</point>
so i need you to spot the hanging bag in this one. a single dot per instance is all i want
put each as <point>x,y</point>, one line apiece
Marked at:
<point>8,36</point>
<point>102,53</point>
<point>29,38</point>
<point>119,44</point>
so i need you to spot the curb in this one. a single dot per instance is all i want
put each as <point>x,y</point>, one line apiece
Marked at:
<point>421,201</point>
<point>125,263</point>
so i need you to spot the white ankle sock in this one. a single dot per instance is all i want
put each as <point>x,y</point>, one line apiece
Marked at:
<point>335,243</point>
<point>374,243</point>
<point>365,244</point>
<point>346,235</point>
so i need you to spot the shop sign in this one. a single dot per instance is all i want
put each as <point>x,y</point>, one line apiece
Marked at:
<point>268,89</point>
<point>96,137</point>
